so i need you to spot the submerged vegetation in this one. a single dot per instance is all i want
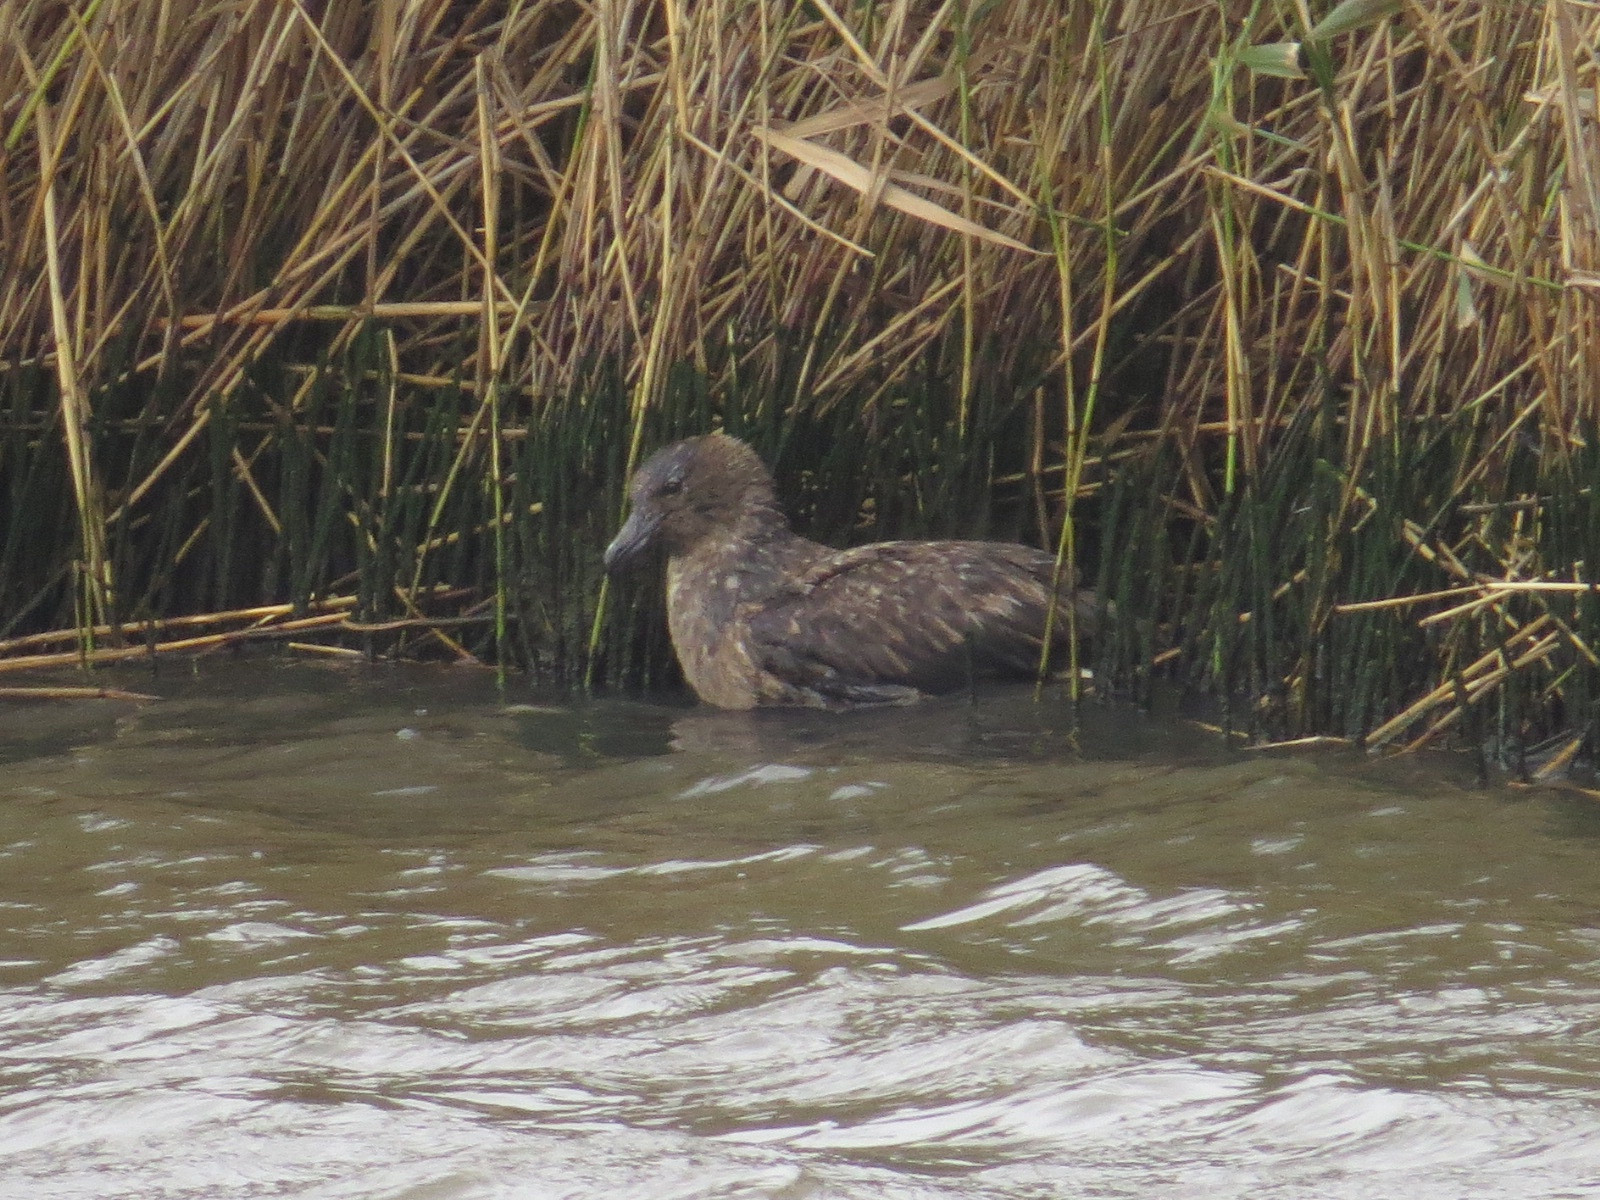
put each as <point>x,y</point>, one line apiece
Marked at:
<point>345,323</point>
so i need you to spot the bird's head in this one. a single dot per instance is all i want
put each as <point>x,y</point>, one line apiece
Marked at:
<point>692,490</point>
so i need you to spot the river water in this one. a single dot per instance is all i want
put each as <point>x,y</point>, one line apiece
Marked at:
<point>299,931</point>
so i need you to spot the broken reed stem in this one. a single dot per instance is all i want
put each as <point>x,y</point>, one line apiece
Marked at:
<point>1481,593</point>
<point>1481,687</point>
<point>261,613</point>
<point>195,645</point>
<point>1490,668</point>
<point>334,622</point>
<point>72,693</point>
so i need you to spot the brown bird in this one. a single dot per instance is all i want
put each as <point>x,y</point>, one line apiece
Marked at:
<point>760,615</point>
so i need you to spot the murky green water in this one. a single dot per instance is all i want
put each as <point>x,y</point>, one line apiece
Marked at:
<point>301,932</point>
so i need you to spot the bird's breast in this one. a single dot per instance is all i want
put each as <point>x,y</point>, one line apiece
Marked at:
<point>710,633</point>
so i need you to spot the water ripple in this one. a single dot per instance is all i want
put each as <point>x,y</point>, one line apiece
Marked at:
<point>257,950</point>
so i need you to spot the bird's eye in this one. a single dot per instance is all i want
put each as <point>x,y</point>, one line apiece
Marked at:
<point>670,486</point>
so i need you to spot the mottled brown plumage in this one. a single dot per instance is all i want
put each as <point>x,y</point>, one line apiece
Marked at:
<point>760,615</point>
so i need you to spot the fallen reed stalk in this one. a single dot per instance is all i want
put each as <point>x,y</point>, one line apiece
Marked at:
<point>73,693</point>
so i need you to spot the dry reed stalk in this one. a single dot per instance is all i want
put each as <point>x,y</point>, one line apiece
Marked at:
<point>193,645</point>
<point>71,693</point>
<point>94,568</point>
<point>254,617</point>
<point>1473,682</point>
<point>317,650</point>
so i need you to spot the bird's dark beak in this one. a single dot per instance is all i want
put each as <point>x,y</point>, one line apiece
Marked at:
<point>632,540</point>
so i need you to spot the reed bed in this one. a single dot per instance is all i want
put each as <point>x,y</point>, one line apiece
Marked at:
<point>1278,318</point>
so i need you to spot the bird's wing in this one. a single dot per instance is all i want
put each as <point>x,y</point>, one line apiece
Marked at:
<point>899,615</point>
